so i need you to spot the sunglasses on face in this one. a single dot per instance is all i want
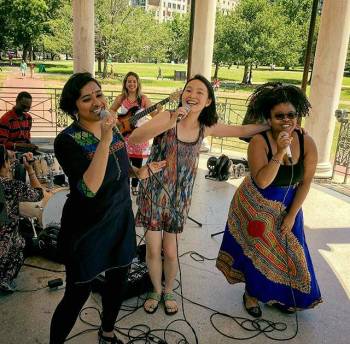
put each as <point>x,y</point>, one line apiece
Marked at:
<point>282,116</point>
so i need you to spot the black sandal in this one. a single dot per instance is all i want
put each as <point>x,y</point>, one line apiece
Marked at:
<point>254,311</point>
<point>105,340</point>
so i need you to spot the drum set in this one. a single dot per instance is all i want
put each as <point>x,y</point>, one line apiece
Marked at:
<point>40,218</point>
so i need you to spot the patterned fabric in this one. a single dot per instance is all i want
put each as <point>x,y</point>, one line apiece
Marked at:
<point>11,242</point>
<point>254,251</point>
<point>15,129</point>
<point>167,209</point>
<point>135,150</point>
<point>97,229</point>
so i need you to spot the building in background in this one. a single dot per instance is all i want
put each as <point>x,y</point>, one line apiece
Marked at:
<point>165,9</point>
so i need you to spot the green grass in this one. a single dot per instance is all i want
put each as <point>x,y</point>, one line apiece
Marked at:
<point>57,73</point>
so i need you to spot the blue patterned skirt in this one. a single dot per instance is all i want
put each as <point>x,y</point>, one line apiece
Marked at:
<point>253,250</point>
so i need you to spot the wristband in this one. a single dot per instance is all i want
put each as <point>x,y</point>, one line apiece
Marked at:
<point>276,161</point>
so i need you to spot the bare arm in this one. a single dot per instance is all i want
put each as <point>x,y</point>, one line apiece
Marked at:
<point>160,123</point>
<point>94,175</point>
<point>310,162</point>
<point>116,104</point>
<point>222,130</point>
<point>262,171</point>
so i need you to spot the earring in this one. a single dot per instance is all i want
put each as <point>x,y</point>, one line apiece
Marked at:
<point>76,115</point>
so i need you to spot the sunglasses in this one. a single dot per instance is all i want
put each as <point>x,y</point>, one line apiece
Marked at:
<point>282,116</point>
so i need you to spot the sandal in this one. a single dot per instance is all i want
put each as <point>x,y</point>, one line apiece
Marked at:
<point>152,308</point>
<point>254,311</point>
<point>168,309</point>
<point>105,340</point>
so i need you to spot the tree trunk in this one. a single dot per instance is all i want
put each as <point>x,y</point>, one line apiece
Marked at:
<point>216,72</point>
<point>245,79</point>
<point>104,74</point>
<point>99,63</point>
<point>250,74</point>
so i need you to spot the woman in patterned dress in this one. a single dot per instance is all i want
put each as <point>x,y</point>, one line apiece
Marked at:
<point>97,226</point>
<point>130,97</point>
<point>163,211</point>
<point>264,243</point>
<point>11,242</point>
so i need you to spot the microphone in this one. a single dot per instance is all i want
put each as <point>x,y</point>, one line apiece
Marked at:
<point>187,108</point>
<point>289,153</point>
<point>103,113</point>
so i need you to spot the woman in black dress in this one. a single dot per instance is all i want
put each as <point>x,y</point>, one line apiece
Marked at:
<point>97,227</point>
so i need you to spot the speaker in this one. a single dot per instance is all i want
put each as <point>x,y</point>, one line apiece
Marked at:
<point>138,281</point>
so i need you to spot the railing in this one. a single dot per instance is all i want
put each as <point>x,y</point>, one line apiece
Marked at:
<point>342,156</point>
<point>48,118</point>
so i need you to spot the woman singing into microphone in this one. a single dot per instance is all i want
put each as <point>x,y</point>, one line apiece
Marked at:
<point>163,208</point>
<point>97,226</point>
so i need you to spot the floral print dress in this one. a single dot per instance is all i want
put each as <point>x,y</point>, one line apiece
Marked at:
<point>11,242</point>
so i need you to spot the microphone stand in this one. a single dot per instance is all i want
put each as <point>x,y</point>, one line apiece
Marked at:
<point>195,221</point>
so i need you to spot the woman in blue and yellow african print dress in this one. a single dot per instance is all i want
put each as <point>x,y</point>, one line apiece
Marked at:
<point>264,243</point>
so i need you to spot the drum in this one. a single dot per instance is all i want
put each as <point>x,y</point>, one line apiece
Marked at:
<point>49,210</point>
<point>46,164</point>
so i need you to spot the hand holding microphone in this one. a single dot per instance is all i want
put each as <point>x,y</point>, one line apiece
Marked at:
<point>283,143</point>
<point>108,121</point>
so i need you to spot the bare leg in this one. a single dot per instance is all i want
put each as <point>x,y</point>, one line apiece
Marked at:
<point>170,266</point>
<point>154,264</point>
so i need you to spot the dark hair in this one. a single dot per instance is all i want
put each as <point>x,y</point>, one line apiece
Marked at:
<point>23,95</point>
<point>138,90</point>
<point>268,95</point>
<point>72,91</point>
<point>3,155</point>
<point>208,116</point>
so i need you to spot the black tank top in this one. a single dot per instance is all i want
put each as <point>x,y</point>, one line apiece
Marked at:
<point>284,174</point>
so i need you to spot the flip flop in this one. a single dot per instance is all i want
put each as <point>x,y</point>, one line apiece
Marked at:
<point>152,296</point>
<point>169,310</point>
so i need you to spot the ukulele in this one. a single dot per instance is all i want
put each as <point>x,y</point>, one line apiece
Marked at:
<point>127,122</point>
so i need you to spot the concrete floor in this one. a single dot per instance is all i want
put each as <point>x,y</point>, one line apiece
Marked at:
<point>25,316</point>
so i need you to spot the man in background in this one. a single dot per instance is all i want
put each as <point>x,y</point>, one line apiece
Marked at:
<point>15,125</point>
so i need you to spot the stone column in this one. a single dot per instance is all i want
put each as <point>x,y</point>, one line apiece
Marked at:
<point>84,36</point>
<point>331,51</point>
<point>203,38</point>
<point>203,43</point>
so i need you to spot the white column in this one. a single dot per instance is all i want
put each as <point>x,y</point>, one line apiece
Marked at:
<point>203,38</point>
<point>331,51</point>
<point>84,36</point>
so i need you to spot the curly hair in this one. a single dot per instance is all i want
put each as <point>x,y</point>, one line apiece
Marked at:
<point>268,95</point>
<point>208,116</point>
<point>72,91</point>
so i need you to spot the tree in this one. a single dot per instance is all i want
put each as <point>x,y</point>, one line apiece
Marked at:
<point>60,38</point>
<point>253,33</point>
<point>27,21</point>
<point>179,28</point>
<point>221,47</point>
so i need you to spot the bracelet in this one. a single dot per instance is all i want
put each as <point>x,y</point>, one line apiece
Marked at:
<point>276,161</point>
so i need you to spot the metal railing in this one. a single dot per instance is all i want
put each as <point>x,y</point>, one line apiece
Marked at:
<point>342,155</point>
<point>48,118</point>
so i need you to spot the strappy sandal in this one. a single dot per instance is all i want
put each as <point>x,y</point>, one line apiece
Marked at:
<point>152,296</point>
<point>169,310</point>
<point>105,340</point>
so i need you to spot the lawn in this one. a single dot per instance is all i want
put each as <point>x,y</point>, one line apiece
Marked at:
<point>57,72</point>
